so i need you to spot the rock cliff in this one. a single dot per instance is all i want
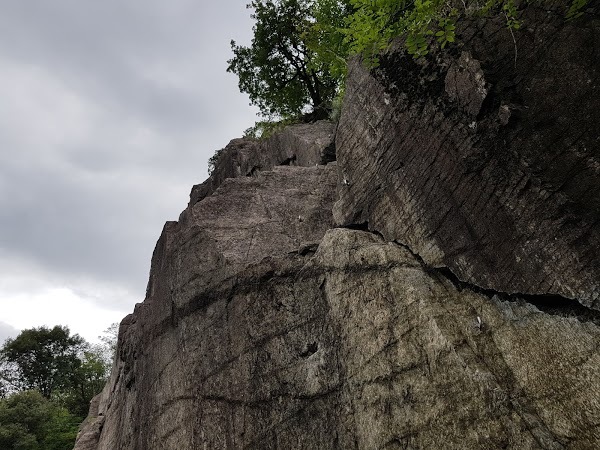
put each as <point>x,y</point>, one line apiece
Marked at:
<point>435,287</point>
<point>484,160</point>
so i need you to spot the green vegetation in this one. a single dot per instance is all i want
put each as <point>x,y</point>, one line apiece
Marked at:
<point>296,63</point>
<point>212,161</point>
<point>266,128</point>
<point>280,71</point>
<point>29,421</point>
<point>295,68</point>
<point>43,359</point>
<point>47,379</point>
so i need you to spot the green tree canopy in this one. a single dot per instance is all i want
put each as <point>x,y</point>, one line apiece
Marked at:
<point>44,359</point>
<point>297,59</point>
<point>86,381</point>
<point>280,71</point>
<point>28,421</point>
<point>61,366</point>
<point>108,346</point>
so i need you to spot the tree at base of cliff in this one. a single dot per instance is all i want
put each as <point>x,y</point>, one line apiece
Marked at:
<point>280,72</point>
<point>62,367</point>
<point>29,421</point>
<point>43,359</point>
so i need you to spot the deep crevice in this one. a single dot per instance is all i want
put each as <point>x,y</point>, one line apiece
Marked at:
<point>362,226</point>
<point>329,154</point>
<point>291,161</point>
<point>254,171</point>
<point>553,304</point>
<point>309,350</point>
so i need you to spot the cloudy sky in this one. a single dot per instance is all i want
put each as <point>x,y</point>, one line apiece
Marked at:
<point>110,110</point>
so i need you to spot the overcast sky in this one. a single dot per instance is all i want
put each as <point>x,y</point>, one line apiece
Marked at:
<point>110,110</point>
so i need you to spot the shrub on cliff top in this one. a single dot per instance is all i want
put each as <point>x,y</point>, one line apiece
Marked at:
<point>297,60</point>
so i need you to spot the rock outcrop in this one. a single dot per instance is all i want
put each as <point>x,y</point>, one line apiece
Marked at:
<point>435,287</point>
<point>356,347</point>
<point>296,145</point>
<point>485,160</point>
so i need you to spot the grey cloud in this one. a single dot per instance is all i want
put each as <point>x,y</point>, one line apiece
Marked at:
<point>111,111</point>
<point>7,331</point>
<point>116,46</point>
<point>103,227</point>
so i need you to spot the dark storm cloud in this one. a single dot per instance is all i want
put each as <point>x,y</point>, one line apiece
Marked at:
<point>110,111</point>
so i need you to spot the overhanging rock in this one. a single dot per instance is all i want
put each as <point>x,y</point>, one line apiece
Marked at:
<point>485,160</point>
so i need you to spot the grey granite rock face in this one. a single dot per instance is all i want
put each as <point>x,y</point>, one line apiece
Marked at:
<point>480,164</point>
<point>297,145</point>
<point>266,327</point>
<point>216,244</point>
<point>358,347</point>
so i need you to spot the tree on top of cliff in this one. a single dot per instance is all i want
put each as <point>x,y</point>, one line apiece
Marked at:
<point>282,73</point>
<point>297,60</point>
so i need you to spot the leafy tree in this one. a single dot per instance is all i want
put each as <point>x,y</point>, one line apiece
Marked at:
<point>280,71</point>
<point>326,37</point>
<point>88,380</point>
<point>373,24</point>
<point>297,59</point>
<point>109,341</point>
<point>43,359</point>
<point>9,379</point>
<point>61,367</point>
<point>28,421</point>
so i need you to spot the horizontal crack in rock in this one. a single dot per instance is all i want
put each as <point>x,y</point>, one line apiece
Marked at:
<point>548,303</point>
<point>553,304</point>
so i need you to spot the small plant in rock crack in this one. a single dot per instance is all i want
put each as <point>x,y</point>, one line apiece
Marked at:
<point>576,9</point>
<point>212,161</point>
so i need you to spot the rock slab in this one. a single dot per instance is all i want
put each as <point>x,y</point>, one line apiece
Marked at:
<point>485,159</point>
<point>357,347</point>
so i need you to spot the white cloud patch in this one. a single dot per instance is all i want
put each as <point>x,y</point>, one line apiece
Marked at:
<point>58,306</point>
<point>7,331</point>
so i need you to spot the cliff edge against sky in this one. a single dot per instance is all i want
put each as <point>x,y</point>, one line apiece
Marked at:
<point>422,274</point>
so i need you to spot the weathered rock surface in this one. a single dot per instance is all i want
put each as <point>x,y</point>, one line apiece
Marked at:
<point>297,145</point>
<point>446,326</point>
<point>484,160</point>
<point>360,347</point>
<point>213,247</point>
<point>91,428</point>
